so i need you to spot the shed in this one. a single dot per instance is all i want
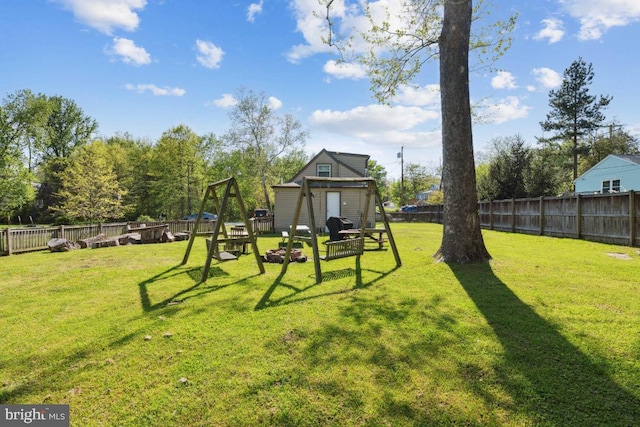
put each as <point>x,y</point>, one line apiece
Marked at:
<point>342,200</point>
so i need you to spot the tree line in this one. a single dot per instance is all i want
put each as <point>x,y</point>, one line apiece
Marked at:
<point>54,169</point>
<point>579,139</point>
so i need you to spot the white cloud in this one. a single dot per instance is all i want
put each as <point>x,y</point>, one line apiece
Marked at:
<point>156,90</point>
<point>505,110</point>
<point>547,78</point>
<point>597,16</point>
<point>225,101</point>
<point>274,103</point>
<point>253,10</point>
<point>345,70</point>
<point>428,95</point>
<point>348,21</point>
<point>210,55</point>
<point>128,52</point>
<point>106,15</point>
<point>378,125</point>
<point>503,80</point>
<point>553,31</point>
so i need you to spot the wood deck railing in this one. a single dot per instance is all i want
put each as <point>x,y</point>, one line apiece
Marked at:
<point>18,240</point>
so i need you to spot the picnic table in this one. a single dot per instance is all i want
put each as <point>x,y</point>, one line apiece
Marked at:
<point>303,232</point>
<point>368,232</point>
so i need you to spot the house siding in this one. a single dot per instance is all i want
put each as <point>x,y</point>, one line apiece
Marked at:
<point>610,168</point>
<point>352,201</point>
<point>342,165</point>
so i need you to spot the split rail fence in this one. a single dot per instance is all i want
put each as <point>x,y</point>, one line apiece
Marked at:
<point>605,218</point>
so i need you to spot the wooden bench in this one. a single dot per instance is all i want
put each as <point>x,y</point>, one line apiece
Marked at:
<point>343,248</point>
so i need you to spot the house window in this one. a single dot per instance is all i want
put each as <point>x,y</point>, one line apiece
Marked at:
<point>324,170</point>
<point>611,186</point>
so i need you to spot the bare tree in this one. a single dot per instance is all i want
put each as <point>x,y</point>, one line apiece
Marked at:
<point>262,135</point>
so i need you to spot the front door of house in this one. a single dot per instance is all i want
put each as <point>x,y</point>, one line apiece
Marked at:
<point>333,203</point>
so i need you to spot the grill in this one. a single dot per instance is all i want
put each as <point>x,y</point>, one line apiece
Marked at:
<point>335,224</point>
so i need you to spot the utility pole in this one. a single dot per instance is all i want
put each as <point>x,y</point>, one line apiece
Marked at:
<point>401,157</point>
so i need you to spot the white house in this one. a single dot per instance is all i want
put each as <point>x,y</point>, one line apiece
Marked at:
<point>615,173</point>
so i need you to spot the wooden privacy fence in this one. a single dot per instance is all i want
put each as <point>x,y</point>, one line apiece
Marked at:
<point>606,218</point>
<point>17,240</point>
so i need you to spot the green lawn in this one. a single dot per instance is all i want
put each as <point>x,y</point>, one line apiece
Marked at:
<point>545,334</point>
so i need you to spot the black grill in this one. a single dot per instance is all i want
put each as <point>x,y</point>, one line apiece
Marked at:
<point>335,224</point>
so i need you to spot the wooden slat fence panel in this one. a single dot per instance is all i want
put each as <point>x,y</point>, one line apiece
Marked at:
<point>502,211</point>
<point>605,218</point>
<point>560,217</point>
<point>527,216</point>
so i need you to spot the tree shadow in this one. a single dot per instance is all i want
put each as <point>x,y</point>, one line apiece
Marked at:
<point>297,292</point>
<point>194,273</point>
<point>547,377</point>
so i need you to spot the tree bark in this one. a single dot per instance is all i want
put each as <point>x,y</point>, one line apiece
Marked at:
<point>462,239</point>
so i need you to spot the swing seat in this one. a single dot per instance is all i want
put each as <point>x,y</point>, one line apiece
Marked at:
<point>226,255</point>
<point>343,248</point>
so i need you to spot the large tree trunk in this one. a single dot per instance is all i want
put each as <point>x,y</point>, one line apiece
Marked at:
<point>462,239</point>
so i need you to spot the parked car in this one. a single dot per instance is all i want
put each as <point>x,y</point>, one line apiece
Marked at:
<point>261,213</point>
<point>206,216</point>
<point>409,208</point>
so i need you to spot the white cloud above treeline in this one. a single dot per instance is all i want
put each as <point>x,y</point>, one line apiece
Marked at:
<point>106,15</point>
<point>209,55</point>
<point>156,90</point>
<point>127,51</point>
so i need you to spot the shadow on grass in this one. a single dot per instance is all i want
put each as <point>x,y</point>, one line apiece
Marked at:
<point>296,294</point>
<point>548,378</point>
<point>195,274</point>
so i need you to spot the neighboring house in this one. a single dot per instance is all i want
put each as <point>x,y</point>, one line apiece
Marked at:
<point>613,174</point>
<point>334,199</point>
<point>423,196</point>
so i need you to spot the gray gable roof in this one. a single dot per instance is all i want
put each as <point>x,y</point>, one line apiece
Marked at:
<point>629,157</point>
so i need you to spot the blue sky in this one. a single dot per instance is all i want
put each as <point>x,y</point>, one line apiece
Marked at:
<point>144,66</point>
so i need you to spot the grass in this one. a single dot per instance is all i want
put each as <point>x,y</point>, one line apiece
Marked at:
<point>545,334</point>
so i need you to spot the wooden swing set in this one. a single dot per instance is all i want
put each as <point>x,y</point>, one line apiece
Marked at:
<point>340,248</point>
<point>232,240</point>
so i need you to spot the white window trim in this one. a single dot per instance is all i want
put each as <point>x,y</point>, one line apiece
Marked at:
<point>328,165</point>
<point>610,186</point>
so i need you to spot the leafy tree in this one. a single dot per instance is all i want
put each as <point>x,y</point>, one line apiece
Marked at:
<point>574,111</point>
<point>262,136</point>
<point>379,173</point>
<point>439,29</point>
<point>611,142</point>
<point>131,159</point>
<point>417,178</point>
<point>15,185</point>
<point>546,175</point>
<point>177,172</point>
<point>24,121</point>
<point>90,189</point>
<point>67,128</point>
<point>435,198</point>
<point>507,171</point>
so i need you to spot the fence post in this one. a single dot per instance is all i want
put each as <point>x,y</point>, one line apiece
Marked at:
<point>490,214</point>
<point>578,217</point>
<point>513,215</point>
<point>541,222</point>
<point>8,241</point>
<point>99,228</point>
<point>632,217</point>
<point>61,232</point>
